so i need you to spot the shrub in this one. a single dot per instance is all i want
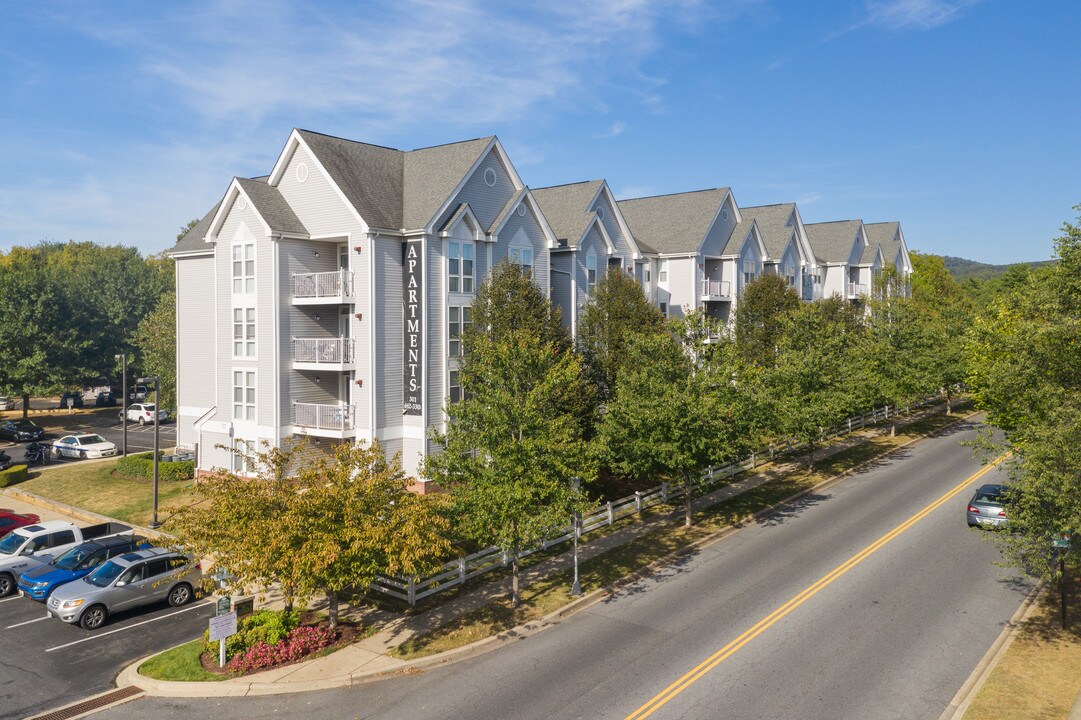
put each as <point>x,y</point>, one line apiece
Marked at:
<point>300,643</point>
<point>14,474</point>
<point>266,626</point>
<point>142,465</point>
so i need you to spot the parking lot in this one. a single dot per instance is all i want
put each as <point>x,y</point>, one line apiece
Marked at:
<point>46,663</point>
<point>103,421</point>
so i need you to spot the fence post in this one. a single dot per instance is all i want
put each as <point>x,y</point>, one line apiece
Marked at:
<point>412,591</point>
<point>638,501</point>
<point>506,558</point>
<point>849,424</point>
<point>611,514</point>
<point>461,571</point>
<point>754,461</point>
<point>771,452</point>
<point>664,492</point>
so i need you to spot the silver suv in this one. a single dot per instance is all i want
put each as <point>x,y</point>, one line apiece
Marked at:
<point>125,582</point>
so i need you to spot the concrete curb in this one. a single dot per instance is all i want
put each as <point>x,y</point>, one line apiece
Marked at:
<point>130,675</point>
<point>77,512</point>
<point>971,687</point>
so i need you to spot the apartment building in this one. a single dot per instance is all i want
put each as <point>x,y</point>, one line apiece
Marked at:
<point>327,299</point>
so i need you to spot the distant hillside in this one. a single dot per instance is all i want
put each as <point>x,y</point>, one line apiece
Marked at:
<point>962,269</point>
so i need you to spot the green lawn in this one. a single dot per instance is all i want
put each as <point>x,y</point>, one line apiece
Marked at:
<point>180,663</point>
<point>95,486</point>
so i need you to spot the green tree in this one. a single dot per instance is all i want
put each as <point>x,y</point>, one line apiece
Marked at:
<point>949,313</point>
<point>155,341</point>
<point>764,304</point>
<point>509,301</point>
<point>668,419</point>
<point>616,311</point>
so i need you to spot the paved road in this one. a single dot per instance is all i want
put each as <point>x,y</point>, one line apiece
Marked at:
<point>893,637</point>
<point>102,421</point>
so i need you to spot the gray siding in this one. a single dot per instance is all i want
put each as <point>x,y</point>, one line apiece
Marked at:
<point>315,201</point>
<point>592,241</point>
<point>486,202</point>
<point>561,283</point>
<point>623,248</point>
<point>388,332</point>
<point>720,231</point>
<point>195,343</point>
<point>435,300</point>
<point>211,455</point>
<point>533,232</point>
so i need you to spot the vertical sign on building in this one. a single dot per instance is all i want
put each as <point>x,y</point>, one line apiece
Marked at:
<point>412,292</point>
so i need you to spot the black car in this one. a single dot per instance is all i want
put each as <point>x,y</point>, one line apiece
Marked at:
<point>71,399</point>
<point>105,399</point>
<point>20,430</point>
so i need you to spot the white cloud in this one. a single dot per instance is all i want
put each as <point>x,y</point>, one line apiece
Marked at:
<point>915,14</point>
<point>615,130</point>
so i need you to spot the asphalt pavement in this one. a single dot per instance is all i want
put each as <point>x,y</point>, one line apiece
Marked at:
<point>869,600</point>
<point>103,421</point>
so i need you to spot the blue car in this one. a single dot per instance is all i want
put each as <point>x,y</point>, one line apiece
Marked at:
<point>78,562</point>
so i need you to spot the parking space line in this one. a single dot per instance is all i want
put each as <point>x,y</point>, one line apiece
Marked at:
<point>14,597</point>
<point>27,622</point>
<point>128,627</point>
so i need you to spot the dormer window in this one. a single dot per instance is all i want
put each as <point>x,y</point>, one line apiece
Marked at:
<point>591,270</point>
<point>523,256</point>
<point>460,266</point>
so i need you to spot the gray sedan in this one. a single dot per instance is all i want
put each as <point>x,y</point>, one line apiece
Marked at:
<point>125,582</point>
<point>987,507</point>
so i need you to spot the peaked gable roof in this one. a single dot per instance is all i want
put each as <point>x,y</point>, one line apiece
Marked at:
<point>370,176</point>
<point>431,174</point>
<point>273,208</point>
<point>194,239</point>
<point>565,207</point>
<point>832,241</point>
<point>773,226</point>
<point>675,223</point>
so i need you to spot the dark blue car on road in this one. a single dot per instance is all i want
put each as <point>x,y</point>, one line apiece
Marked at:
<point>78,562</point>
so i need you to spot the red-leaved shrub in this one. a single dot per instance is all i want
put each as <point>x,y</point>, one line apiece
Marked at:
<point>300,643</point>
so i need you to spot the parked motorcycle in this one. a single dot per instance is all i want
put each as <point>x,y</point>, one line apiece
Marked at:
<point>5,460</point>
<point>37,453</point>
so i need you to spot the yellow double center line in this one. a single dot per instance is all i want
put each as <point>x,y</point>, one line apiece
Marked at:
<point>765,623</point>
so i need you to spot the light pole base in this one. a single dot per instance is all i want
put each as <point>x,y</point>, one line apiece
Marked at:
<point>154,525</point>
<point>576,589</point>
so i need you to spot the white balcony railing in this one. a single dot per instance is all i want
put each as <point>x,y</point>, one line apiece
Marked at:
<point>335,285</point>
<point>856,290</point>
<point>330,351</point>
<point>716,288</point>
<point>335,418</point>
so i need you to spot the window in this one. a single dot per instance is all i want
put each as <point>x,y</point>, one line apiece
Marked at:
<point>64,537</point>
<point>591,270</point>
<point>243,268</point>
<point>790,273</point>
<point>244,332</point>
<point>522,256</point>
<point>455,387</point>
<point>157,566</point>
<point>460,267</point>
<point>243,456</point>
<point>662,274</point>
<point>458,319</point>
<point>750,271</point>
<point>663,308</point>
<point>647,275</point>
<point>244,395</point>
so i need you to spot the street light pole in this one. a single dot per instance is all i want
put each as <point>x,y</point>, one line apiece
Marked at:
<point>576,588</point>
<point>123,358</point>
<point>157,423</point>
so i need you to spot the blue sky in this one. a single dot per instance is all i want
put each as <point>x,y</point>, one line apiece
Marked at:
<point>960,118</point>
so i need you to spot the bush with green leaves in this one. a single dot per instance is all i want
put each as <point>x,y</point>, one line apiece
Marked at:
<point>14,474</point>
<point>265,626</point>
<point>142,465</point>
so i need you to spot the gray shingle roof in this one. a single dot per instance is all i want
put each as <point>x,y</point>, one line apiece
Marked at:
<point>370,176</point>
<point>193,239</point>
<point>565,206</point>
<point>739,234</point>
<point>672,223</point>
<point>772,226</point>
<point>832,241</point>
<point>431,174</point>
<point>273,208</point>
<point>885,235</point>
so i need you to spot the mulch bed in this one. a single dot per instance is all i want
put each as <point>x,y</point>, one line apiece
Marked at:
<point>348,633</point>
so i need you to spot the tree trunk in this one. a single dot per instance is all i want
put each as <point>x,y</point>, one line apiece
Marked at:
<point>515,597</point>
<point>287,596</point>
<point>688,519</point>
<point>893,429</point>
<point>949,403</point>
<point>26,406</point>
<point>332,608</point>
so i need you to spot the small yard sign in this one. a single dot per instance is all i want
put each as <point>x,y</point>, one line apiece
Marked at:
<point>223,626</point>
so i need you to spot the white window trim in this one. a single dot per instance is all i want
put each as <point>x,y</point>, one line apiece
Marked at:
<point>245,373</point>
<point>460,275</point>
<point>462,326</point>
<point>240,463</point>
<point>591,259</point>
<point>244,278</point>
<point>244,308</point>
<point>516,247</point>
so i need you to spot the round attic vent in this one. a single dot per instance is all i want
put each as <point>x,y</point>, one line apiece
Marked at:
<point>521,210</point>
<point>489,177</point>
<point>302,172</point>
<point>242,203</point>
<point>600,212</point>
<point>724,215</point>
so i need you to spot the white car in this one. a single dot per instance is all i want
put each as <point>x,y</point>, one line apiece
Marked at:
<point>6,403</point>
<point>143,413</point>
<point>83,446</point>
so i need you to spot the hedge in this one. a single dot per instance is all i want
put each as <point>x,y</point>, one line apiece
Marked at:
<point>14,474</point>
<point>142,465</point>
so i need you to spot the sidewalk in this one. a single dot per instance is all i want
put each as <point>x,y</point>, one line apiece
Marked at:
<point>368,658</point>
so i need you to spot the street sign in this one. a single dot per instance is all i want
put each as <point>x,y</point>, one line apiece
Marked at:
<point>1063,543</point>
<point>224,605</point>
<point>244,606</point>
<point>223,626</point>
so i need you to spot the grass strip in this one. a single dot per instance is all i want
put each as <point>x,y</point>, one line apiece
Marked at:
<point>180,663</point>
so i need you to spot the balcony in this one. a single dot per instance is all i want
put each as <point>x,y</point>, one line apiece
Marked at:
<point>716,290</point>
<point>326,288</point>
<point>329,421</point>
<point>855,291</point>
<point>323,354</point>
